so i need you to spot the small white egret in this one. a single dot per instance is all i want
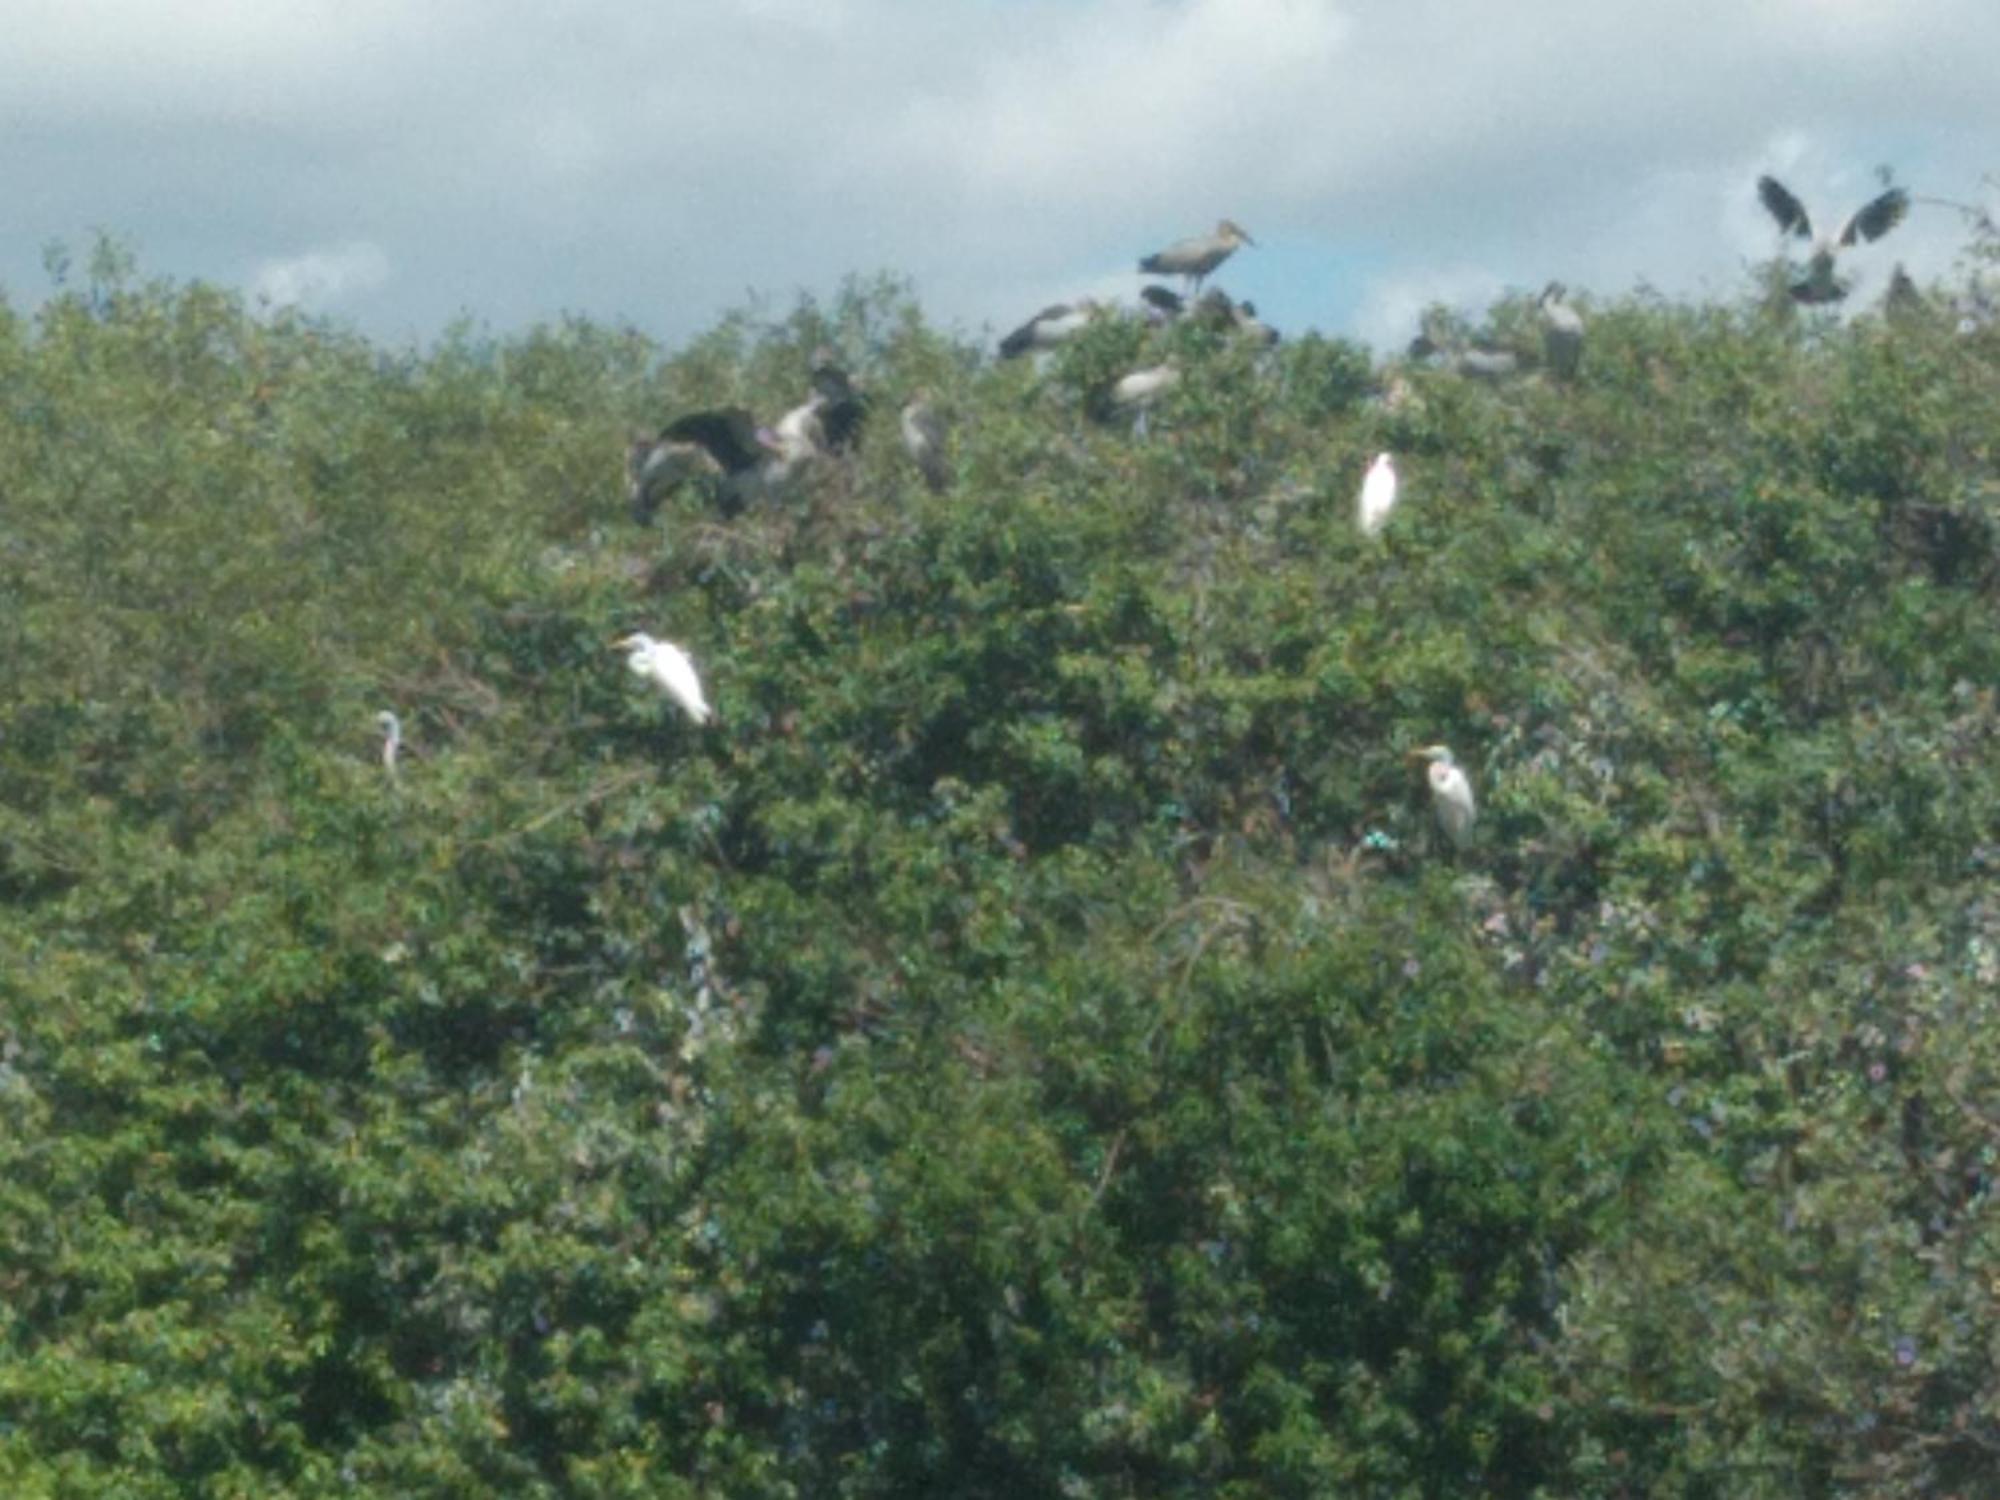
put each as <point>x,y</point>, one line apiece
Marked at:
<point>1195,258</point>
<point>392,740</point>
<point>1870,222</point>
<point>668,667</point>
<point>1451,792</point>
<point>1378,495</point>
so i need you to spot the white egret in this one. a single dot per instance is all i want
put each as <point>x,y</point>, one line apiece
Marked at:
<point>392,740</point>
<point>1049,327</point>
<point>1451,792</point>
<point>1378,495</point>
<point>924,440</point>
<point>668,667</point>
<point>1195,258</point>
<point>1871,221</point>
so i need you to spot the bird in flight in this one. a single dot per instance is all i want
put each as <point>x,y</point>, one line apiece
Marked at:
<point>1869,222</point>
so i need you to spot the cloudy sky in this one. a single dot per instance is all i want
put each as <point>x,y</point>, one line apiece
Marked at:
<point>398,162</point>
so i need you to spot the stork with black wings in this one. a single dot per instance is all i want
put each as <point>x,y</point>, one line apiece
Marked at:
<point>1869,223</point>
<point>723,447</point>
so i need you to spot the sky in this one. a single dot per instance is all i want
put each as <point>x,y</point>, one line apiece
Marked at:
<point>398,163</point>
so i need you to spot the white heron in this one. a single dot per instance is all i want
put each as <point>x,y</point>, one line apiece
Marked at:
<point>669,668</point>
<point>1870,222</point>
<point>1378,495</point>
<point>1451,792</point>
<point>1562,331</point>
<point>392,740</point>
<point>1051,326</point>
<point>924,440</point>
<point>1195,258</point>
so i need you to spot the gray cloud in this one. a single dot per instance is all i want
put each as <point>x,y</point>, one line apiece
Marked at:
<point>657,162</point>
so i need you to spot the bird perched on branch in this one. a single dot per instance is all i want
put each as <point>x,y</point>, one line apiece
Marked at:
<point>1870,222</point>
<point>842,408</point>
<point>1051,326</point>
<point>1451,792</point>
<point>1378,495</point>
<point>1562,331</point>
<point>669,668</point>
<point>1214,309</point>
<point>1195,258</point>
<point>924,440</point>
<point>392,741</point>
<point>1135,394</point>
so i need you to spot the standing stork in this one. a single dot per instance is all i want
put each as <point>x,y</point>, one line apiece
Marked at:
<point>1562,331</point>
<point>1195,258</point>
<point>1869,222</point>
<point>923,429</point>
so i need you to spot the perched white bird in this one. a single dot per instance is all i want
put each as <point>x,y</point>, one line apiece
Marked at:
<point>924,440</point>
<point>392,740</point>
<point>1195,258</point>
<point>1378,495</point>
<point>1871,221</point>
<point>1451,793</point>
<point>1562,331</point>
<point>1048,328</point>
<point>669,667</point>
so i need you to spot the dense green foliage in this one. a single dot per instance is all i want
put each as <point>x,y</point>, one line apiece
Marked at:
<point>1035,1043</point>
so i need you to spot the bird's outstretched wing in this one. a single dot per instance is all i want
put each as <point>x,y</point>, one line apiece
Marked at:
<point>728,434</point>
<point>1877,217</point>
<point>1787,210</point>
<point>1022,339</point>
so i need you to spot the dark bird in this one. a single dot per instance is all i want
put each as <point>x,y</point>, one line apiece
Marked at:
<point>723,448</point>
<point>1870,222</point>
<point>843,407</point>
<point>1195,258</point>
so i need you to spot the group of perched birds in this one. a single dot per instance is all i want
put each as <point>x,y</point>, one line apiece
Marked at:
<point>726,451</point>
